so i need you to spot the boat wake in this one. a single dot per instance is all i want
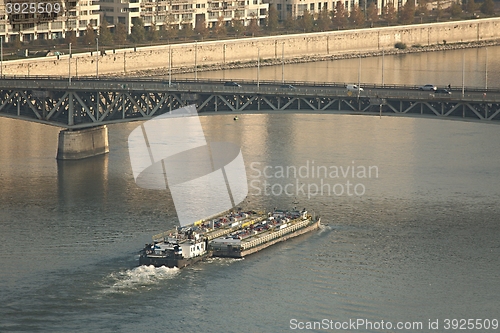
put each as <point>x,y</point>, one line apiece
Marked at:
<point>324,228</point>
<point>223,261</point>
<point>142,277</point>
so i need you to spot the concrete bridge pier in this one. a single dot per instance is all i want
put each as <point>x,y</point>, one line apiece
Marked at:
<point>78,144</point>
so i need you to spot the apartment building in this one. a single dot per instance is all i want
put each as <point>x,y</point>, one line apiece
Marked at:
<point>296,8</point>
<point>46,19</point>
<point>181,13</point>
<point>51,19</point>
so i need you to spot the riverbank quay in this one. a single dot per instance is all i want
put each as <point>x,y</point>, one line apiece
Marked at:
<point>275,62</point>
<point>271,50</point>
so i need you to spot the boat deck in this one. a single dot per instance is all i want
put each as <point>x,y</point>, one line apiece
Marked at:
<point>218,226</point>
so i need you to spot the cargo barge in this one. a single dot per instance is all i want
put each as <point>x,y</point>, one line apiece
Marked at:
<point>233,235</point>
<point>278,227</point>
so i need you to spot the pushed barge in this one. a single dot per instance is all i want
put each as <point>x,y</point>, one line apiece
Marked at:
<point>279,226</point>
<point>233,235</point>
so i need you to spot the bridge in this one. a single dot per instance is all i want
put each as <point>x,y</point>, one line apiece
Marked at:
<point>90,103</point>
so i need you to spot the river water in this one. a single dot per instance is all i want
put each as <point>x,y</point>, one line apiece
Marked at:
<point>470,67</point>
<point>412,239</point>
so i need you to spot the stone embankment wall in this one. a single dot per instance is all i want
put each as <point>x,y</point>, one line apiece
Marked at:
<point>224,52</point>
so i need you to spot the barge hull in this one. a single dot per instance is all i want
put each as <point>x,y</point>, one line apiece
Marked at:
<point>241,254</point>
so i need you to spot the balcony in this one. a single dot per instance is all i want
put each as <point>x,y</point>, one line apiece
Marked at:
<point>182,11</point>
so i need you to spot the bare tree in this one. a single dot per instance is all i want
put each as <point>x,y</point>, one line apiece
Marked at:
<point>407,13</point>
<point>339,17</point>
<point>488,7</point>
<point>456,10</point>
<point>201,29</point>
<point>237,24</point>
<point>306,22</point>
<point>372,13</point>
<point>390,14</point>
<point>253,27</point>
<point>171,28</point>
<point>71,36</point>
<point>272,21</point>
<point>186,31</point>
<point>105,36</point>
<point>89,38</point>
<point>471,6</point>
<point>357,17</point>
<point>152,33</point>
<point>120,34</point>
<point>290,23</point>
<point>220,27</point>
<point>422,9</point>
<point>323,22</point>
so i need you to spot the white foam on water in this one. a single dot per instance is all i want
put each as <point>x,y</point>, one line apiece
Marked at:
<point>137,278</point>
<point>223,261</point>
<point>323,228</point>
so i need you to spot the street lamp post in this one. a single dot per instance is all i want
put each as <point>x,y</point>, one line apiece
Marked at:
<point>195,58</point>
<point>359,75</point>
<point>258,68</point>
<point>382,68</point>
<point>463,75</point>
<point>486,70</point>
<point>97,59</point>
<point>283,63</point>
<point>1,56</point>
<point>170,65</point>
<point>69,64</point>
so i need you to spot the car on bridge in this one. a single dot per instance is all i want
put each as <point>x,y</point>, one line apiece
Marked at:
<point>443,91</point>
<point>287,86</point>
<point>353,88</point>
<point>232,84</point>
<point>428,87</point>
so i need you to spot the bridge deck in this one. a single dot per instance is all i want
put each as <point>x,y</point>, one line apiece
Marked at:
<point>90,102</point>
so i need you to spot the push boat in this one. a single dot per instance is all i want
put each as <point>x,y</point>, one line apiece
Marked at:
<point>186,245</point>
<point>232,234</point>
